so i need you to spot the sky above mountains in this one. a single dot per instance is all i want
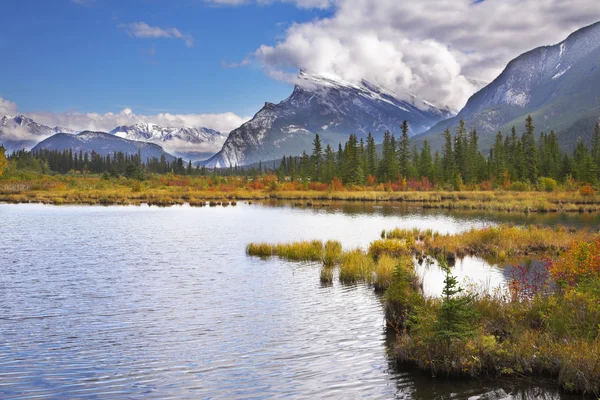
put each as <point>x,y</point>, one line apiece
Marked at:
<point>96,64</point>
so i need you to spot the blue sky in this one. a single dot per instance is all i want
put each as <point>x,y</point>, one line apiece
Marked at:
<point>96,64</point>
<point>64,55</point>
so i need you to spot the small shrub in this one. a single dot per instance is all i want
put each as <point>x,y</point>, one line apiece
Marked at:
<point>547,184</point>
<point>587,191</point>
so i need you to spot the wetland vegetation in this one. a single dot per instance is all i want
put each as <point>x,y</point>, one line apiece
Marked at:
<point>542,323</point>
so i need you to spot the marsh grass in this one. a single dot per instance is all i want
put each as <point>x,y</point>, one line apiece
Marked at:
<point>171,189</point>
<point>391,247</point>
<point>329,253</point>
<point>356,266</point>
<point>332,253</point>
<point>550,329</point>
<point>326,275</point>
<point>506,241</point>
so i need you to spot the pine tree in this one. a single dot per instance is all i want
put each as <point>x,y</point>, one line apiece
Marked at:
<point>281,171</point>
<point>457,315</point>
<point>404,150</point>
<point>498,158</point>
<point>596,148</point>
<point>330,165</point>
<point>425,162</point>
<point>448,165</point>
<point>371,155</point>
<point>304,166</point>
<point>530,151</point>
<point>317,159</point>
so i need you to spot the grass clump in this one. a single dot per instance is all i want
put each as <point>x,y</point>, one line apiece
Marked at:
<point>390,247</point>
<point>332,253</point>
<point>313,250</point>
<point>301,251</point>
<point>356,266</point>
<point>260,249</point>
<point>326,275</point>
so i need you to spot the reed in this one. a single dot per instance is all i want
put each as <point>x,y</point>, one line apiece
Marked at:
<point>391,247</point>
<point>332,253</point>
<point>356,266</point>
<point>326,275</point>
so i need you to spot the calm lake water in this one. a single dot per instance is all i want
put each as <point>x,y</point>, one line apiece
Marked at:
<point>147,302</point>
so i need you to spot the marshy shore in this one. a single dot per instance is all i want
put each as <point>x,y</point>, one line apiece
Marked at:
<point>176,190</point>
<point>545,323</point>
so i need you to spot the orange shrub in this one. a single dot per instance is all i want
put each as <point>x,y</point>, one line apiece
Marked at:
<point>587,190</point>
<point>317,186</point>
<point>336,185</point>
<point>581,261</point>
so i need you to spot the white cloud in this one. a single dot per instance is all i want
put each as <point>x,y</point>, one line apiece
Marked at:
<point>431,48</point>
<point>143,30</point>
<point>79,121</point>
<point>7,107</point>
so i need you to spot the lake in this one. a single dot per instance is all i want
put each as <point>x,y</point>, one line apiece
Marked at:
<point>149,302</point>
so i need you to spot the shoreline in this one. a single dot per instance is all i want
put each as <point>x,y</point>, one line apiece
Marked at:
<point>488,201</point>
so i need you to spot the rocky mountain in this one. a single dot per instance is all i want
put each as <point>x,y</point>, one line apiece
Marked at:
<point>187,142</point>
<point>101,143</point>
<point>20,132</point>
<point>329,107</point>
<point>558,85</point>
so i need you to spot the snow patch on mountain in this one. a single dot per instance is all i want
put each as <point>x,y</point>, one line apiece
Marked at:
<point>328,106</point>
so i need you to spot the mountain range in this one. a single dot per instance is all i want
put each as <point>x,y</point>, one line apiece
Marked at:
<point>558,85</point>
<point>20,132</point>
<point>101,143</point>
<point>330,107</point>
<point>187,142</point>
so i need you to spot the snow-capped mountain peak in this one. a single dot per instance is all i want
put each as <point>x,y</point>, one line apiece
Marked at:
<point>326,105</point>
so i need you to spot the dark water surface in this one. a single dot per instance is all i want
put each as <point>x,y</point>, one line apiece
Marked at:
<point>147,302</point>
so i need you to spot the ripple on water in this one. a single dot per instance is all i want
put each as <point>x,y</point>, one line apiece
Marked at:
<point>146,302</point>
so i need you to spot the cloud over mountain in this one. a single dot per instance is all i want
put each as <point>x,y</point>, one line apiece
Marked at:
<point>431,48</point>
<point>80,121</point>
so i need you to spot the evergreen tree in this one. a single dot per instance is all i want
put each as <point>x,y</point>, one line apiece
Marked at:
<point>530,151</point>
<point>596,148</point>
<point>404,150</point>
<point>317,159</point>
<point>498,158</point>
<point>457,314</point>
<point>449,170</point>
<point>304,166</point>
<point>371,165</point>
<point>330,165</point>
<point>426,168</point>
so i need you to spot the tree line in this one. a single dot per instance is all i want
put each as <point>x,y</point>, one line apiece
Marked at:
<point>112,165</point>
<point>512,158</point>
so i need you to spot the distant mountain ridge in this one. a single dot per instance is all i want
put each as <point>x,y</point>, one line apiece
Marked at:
<point>20,132</point>
<point>102,143</point>
<point>329,107</point>
<point>187,142</point>
<point>558,85</point>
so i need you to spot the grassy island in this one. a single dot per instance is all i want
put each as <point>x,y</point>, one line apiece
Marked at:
<point>545,324</point>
